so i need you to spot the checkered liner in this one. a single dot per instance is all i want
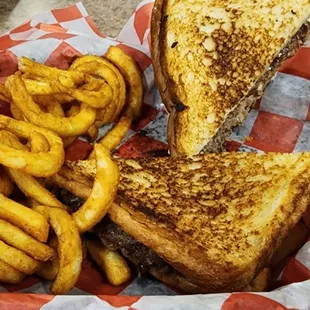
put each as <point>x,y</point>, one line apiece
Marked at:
<point>279,122</point>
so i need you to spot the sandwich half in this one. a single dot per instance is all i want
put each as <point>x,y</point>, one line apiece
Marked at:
<point>212,60</point>
<point>207,224</point>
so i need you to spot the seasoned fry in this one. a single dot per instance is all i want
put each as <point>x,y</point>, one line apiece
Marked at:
<point>96,93</point>
<point>27,183</point>
<point>32,188</point>
<point>92,133</point>
<point>74,109</point>
<point>17,112</point>
<point>26,219</point>
<point>105,116</point>
<point>118,99</point>
<point>112,110</point>
<point>106,64</point>
<point>5,94</point>
<point>18,239</point>
<point>63,98</point>
<point>69,248</point>
<point>52,105</point>
<point>64,126</point>
<point>53,243</point>
<point>9,274</point>
<point>40,87</point>
<point>18,259</point>
<point>31,202</point>
<point>41,164</point>
<point>132,75</point>
<point>107,75</point>
<point>49,270</point>
<point>55,108</point>
<point>27,75</point>
<point>111,262</point>
<point>10,139</point>
<point>6,184</point>
<point>118,85</point>
<point>47,100</point>
<point>114,137</point>
<point>67,78</point>
<point>38,143</point>
<point>103,191</point>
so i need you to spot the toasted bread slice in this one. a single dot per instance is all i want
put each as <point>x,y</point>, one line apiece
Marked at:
<point>218,218</point>
<point>212,60</point>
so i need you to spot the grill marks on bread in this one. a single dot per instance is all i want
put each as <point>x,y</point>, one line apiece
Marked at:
<point>216,218</point>
<point>223,48</point>
<point>230,197</point>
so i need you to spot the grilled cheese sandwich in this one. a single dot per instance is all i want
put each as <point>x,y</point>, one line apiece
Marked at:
<point>213,59</point>
<point>213,222</point>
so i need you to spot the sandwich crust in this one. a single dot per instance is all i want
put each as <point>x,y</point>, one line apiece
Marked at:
<point>208,56</point>
<point>217,220</point>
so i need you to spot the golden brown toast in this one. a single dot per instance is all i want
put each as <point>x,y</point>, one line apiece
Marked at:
<point>218,218</point>
<point>212,59</point>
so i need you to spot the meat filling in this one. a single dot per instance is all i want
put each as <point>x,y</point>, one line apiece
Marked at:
<point>114,238</point>
<point>239,114</point>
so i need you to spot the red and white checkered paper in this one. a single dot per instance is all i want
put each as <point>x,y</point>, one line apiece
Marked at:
<point>279,122</point>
